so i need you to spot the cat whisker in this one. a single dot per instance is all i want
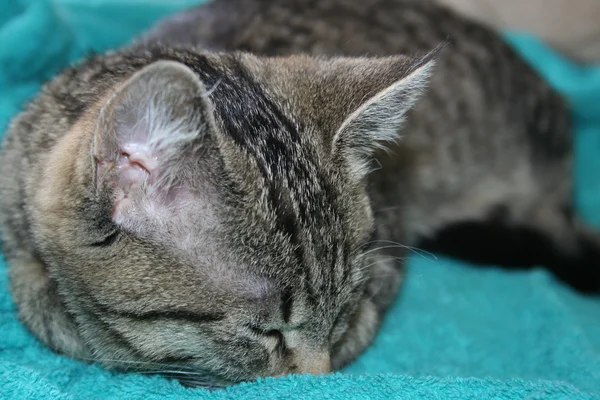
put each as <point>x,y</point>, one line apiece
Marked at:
<point>172,372</point>
<point>381,275</point>
<point>100,360</point>
<point>214,87</point>
<point>134,363</point>
<point>420,252</point>
<point>385,241</point>
<point>423,253</point>
<point>380,260</point>
<point>185,374</point>
<point>395,246</point>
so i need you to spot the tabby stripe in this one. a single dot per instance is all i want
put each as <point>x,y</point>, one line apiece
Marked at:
<point>123,341</point>
<point>159,314</point>
<point>118,337</point>
<point>308,287</point>
<point>346,265</point>
<point>172,315</point>
<point>334,253</point>
<point>287,301</point>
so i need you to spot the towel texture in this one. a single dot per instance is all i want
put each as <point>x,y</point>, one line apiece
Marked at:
<point>456,331</point>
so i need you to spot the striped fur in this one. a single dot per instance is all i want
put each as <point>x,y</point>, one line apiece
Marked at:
<point>215,242</point>
<point>266,249</point>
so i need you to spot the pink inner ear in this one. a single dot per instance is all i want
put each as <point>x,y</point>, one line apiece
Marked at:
<point>133,167</point>
<point>140,154</point>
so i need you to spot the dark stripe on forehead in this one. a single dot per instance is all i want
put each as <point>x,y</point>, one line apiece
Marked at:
<point>259,126</point>
<point>260,108</point>
<point>257,123</point>
<point>253,119</point>
<point>287,302</point>
<point>286,219</point>
<point>300,192</point>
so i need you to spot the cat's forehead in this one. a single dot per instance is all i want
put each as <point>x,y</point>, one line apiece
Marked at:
<point>292,228</point>
<point>296,221</point>
<point>295,173</point>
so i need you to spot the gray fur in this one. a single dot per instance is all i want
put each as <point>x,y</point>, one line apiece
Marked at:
<point>171,207</point>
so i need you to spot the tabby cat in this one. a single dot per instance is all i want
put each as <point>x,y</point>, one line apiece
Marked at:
<point>215,198</point>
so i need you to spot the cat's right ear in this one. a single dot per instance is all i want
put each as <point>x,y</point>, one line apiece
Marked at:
<point>158,114</point>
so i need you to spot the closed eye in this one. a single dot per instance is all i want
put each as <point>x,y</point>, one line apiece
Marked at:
<point>272,334</point>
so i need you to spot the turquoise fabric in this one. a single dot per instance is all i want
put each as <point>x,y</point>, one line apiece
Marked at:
<point>456,331</point>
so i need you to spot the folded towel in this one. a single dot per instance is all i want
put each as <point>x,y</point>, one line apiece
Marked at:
<point>456,331</point>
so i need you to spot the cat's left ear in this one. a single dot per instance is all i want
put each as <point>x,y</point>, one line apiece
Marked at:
<point>147,133</point>
<point>379,118</point>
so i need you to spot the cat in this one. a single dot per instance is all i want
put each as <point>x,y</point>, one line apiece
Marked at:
<point>499,133</point>
<point>226,198</point>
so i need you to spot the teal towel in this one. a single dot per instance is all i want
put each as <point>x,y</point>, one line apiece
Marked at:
<point>456,331</point>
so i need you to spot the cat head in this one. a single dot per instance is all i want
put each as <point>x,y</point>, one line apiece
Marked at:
<point>209,212</point>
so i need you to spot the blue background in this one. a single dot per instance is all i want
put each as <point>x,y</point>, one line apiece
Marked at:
<point>456,331</point>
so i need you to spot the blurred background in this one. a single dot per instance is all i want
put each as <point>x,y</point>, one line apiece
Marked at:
<point>570,26</point>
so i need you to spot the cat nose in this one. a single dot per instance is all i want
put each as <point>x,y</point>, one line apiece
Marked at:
<point>311,362</point>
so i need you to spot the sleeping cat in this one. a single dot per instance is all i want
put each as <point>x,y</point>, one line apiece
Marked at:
<point>185,207</point>
<point>483,170</point>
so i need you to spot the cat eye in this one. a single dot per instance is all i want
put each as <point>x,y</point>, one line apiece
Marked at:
<point>275,334</point>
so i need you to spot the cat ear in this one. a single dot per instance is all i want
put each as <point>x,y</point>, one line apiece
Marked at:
<point>143,130</point>
<point>378,119</point>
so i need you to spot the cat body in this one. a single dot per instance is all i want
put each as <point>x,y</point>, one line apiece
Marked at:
<point>499,133</point>
<point>184,204</point>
